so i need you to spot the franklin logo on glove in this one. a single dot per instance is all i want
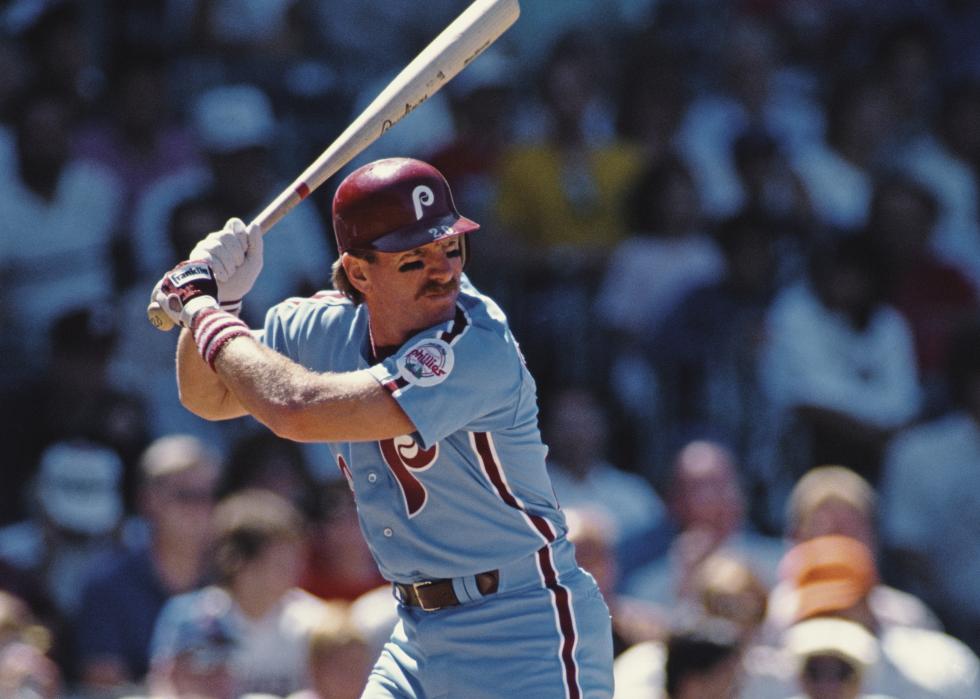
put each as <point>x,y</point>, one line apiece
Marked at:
<point>193,271</point>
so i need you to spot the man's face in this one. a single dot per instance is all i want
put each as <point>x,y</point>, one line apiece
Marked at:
<point>707,494</point>
<point>829,677</point>
<point>412,290</point>
<point>197,678</point>
<point>181,504</point>
<point>838,517</point>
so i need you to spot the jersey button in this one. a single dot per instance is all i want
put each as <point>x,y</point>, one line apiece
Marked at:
<point>372,477</point>
<point>388,531</point>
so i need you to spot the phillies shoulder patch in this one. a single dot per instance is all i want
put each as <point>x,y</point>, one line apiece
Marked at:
<point>426,363</point>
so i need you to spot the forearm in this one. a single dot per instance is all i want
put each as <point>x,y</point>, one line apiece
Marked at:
<point>303,405</point>
<point>200,389</point>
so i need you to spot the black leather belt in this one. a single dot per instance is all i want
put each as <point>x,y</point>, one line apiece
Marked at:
<point>430,595</point>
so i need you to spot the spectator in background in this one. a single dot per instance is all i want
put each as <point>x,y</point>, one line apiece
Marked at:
<point>832,576</point>
<point>831,656</point>
<point>838,171</point>
<point>749,95</point>
<point>906,62</point>
<point>651,104</point>
<point>560,201</point>
<point>702,661</point>
<point>197,661</point>
<point>62,52</point>
<point>775,194</point>
<point>724,588</point>
<point>121,599</point>
<point>76,519</point>
<point>834,500</point>
<point>137,138</point>
<point>945,161</point>
<point>71,399</point>
<point>236,127</point>
<point>838,365</point>
<point>707,507</point>
<point>26,669</point>
<point>74,525</point>
<point>340,659</point>
<point>932,295</point>
<point>59,217</point>
<point>667,255</point>
<point>929,525</point>
<point>576,429</point>
<point>258,555</point>
<point>706,352</point>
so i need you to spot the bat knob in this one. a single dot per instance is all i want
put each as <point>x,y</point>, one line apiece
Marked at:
<point>158,317</point>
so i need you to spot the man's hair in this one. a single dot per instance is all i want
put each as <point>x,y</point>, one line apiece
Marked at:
<point>339,278</point>
<point>176,453</point>
<point>245,524</point>
<point>335,630</point>
<point>728,588</point>
<point>825,484</point>
<point>697,648</point>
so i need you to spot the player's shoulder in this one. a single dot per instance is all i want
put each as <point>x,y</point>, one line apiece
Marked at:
<point>323,306</point>
<point>480,326</point>
<point>480,311</point>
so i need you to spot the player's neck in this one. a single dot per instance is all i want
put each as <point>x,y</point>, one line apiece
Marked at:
<point>380,349</point>
<point>388,334</point>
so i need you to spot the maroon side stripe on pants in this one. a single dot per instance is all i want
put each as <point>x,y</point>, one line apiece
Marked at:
<point>566,624</point>
<point>560,595</point>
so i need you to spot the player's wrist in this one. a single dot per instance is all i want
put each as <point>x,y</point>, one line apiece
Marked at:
<point>194,307</point>
<point>233,307</point>
<point>212,329</point>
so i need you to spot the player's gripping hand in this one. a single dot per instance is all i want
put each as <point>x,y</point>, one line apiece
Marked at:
<point>235,255</point>
<point>185,290</point>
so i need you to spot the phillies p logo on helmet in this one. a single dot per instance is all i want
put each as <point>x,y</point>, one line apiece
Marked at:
<point>422,196</point>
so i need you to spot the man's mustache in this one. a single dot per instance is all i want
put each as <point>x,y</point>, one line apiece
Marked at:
<point>438,288</point>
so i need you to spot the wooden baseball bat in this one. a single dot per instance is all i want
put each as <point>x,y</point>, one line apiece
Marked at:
<point>449,53</point>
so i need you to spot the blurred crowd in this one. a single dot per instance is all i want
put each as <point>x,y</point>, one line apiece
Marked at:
<point>738,241</point>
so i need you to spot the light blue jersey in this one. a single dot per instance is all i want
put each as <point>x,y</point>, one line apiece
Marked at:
<point>467,492</point>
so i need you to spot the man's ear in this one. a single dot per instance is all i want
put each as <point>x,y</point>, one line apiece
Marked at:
<point>356,269</point>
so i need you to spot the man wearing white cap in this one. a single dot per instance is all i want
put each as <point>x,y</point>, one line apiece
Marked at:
<point>77,514</point>
<point>236,128</point>
<point>831,656</point>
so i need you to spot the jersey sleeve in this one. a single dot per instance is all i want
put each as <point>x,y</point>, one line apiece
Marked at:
<point>279,331</point>
<point>445,384</point>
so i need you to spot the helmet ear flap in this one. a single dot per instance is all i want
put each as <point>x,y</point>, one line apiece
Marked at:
<point>464,248</point>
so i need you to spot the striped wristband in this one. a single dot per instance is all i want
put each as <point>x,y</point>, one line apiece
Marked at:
<point>212,329</point>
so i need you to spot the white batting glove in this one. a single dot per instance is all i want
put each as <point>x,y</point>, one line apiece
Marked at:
<point>235,255</point>
<point>185,290</point>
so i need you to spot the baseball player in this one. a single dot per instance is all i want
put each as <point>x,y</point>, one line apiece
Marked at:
<point>415,381</point>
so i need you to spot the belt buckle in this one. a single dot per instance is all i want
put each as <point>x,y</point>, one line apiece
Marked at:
<point>415,589</point>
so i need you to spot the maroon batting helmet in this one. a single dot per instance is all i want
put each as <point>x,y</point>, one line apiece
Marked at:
<point>393,205</point>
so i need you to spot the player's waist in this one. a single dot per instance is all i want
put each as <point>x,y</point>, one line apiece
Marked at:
<point>542,568</point>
